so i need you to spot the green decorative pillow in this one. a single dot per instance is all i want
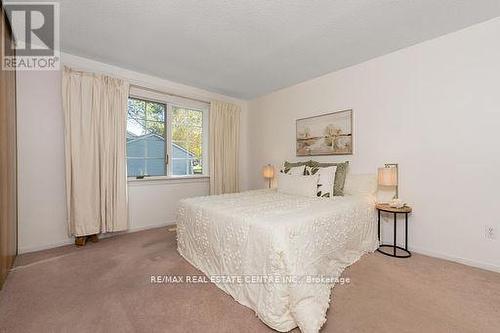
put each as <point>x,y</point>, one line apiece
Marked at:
<point>340,174</point>
<point>288,165</point>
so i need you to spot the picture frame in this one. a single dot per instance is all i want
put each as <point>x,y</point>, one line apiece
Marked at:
<point>325,134</point>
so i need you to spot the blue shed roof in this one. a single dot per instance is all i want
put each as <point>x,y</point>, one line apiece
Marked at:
<point>131,138</point>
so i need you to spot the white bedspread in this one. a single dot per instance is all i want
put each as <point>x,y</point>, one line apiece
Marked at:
<point>265,233</point>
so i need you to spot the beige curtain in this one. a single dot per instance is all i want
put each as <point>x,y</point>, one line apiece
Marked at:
<point>224,147</point>
<point>95,114</point>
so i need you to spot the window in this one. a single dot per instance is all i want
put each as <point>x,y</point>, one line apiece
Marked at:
<point>165,138</point>
<point>187,141</point>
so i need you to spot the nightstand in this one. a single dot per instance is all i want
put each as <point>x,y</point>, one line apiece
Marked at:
<point>388,209</point>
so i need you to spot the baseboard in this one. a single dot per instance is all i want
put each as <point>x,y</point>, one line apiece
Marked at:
<point>464,261</point>
<point>71,240</point>
<point>151,226</point>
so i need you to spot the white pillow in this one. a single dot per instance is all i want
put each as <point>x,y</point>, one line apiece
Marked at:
<point>360,184</point>
<point>326,181</point>
<point>298,185</point>
<point>296,171</point>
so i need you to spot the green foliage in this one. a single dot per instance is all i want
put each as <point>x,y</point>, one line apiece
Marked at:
<point>187,129</point>
<point>149,116</point>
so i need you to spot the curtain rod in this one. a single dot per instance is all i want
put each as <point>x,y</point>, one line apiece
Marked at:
<point>167,93</point>
<point>139,86</point>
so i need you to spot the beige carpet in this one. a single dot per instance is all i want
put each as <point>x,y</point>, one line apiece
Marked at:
<point>105,287</point>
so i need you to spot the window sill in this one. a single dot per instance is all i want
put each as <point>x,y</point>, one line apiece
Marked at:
<point>167,180</point>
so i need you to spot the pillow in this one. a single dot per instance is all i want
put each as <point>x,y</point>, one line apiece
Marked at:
<point>338,186</point>
<point>298,185</point>
<point>340,174</point>
<point>326,180</point>
<point>288,165</point>
<point>296,171</point>
<point>360,184</point>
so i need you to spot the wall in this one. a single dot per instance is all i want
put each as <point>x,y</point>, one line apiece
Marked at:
<point>435,109</point>
<point>42,198</point>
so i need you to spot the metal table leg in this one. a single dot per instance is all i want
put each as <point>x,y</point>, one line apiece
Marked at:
<point>379,227</point>
<point>395,232</point>
<point>406,231</point>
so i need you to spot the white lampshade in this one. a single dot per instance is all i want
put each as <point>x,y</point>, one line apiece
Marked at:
<point>268,171</point>
<point>388,176</point>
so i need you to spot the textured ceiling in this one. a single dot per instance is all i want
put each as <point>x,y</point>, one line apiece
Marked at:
<point>249,48</point>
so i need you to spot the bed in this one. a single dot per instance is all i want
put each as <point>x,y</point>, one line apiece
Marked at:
<point>280,254</point>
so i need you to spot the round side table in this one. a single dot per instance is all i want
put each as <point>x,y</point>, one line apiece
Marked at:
<point>381,207</point>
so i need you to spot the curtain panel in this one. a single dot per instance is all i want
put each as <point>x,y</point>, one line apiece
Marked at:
<point>95,115</point>
<point>224,147</point>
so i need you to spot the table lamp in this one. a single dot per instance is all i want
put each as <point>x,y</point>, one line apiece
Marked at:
<point>389,176</point>
<point>268,173</point>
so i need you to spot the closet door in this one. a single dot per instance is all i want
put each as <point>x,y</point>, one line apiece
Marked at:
<point>8,162</point>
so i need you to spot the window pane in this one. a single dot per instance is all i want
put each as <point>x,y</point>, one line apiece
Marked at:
<point>155,166</point>
<point>145,138</point>
<point>136,123</point>
<point>136,108</point>
<point>187,141</point>
<point>155,146</point>
<point>135,167</point>
<point>155,111</point>
<point>181,167</point>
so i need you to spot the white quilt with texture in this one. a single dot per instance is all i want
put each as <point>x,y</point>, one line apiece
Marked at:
<point>294,240</point>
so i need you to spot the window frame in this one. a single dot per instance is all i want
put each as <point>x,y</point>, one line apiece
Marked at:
<point>170,102</point>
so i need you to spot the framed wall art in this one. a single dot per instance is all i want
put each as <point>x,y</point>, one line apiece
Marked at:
<point>326,134</point>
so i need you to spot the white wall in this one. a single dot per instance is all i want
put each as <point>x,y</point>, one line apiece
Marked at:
<point>435,109</point>
<point>41,172</point>
<point>42,201</point>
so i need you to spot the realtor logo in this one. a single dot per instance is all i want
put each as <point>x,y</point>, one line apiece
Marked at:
<point>35,26</point>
